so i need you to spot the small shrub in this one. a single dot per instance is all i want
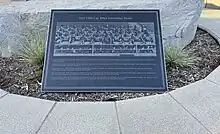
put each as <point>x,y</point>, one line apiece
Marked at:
<point>32,50</point>
<point>176,57</point>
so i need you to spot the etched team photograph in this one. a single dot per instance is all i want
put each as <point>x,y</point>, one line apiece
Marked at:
<point>109,39</point>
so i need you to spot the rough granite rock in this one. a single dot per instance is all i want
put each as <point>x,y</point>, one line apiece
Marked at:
<point>179,17</point>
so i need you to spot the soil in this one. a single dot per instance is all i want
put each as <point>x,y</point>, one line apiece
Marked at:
<point>13,73</point>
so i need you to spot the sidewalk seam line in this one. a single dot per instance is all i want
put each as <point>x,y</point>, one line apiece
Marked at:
<point>213,82</point>
<point>190,113</point>
<point>4,95</point>
<point>117,116</point>
<point>46,117</point>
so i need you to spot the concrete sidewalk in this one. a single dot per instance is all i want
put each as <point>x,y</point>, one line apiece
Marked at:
<point>210,14</point>
<point>194,109</point>
<point>210,21</point>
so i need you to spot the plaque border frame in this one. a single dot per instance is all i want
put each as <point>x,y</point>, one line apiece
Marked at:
<point>99,88</point>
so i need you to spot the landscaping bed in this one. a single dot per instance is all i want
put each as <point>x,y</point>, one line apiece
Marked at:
<point>14,72</point>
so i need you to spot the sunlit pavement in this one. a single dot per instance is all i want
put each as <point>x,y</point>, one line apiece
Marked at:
<point>210,14</point>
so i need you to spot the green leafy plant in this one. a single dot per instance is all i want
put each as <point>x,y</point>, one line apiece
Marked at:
<point>176,57</point>
<point>32,50</point>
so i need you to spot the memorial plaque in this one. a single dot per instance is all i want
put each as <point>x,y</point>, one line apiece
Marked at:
<point>104,50</point>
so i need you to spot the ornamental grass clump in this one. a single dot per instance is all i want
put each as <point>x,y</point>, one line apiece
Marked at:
<point>176,57</point>
<point>32,51</point>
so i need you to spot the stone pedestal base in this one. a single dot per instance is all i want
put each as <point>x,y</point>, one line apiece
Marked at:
<point>178,17</point>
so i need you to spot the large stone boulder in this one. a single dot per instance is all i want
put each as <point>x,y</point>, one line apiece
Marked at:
<point>178,17</point>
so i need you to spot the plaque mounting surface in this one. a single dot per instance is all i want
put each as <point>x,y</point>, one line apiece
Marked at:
<point>104,50</point>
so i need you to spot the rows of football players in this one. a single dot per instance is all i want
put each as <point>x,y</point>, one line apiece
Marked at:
<point>104,34</point>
